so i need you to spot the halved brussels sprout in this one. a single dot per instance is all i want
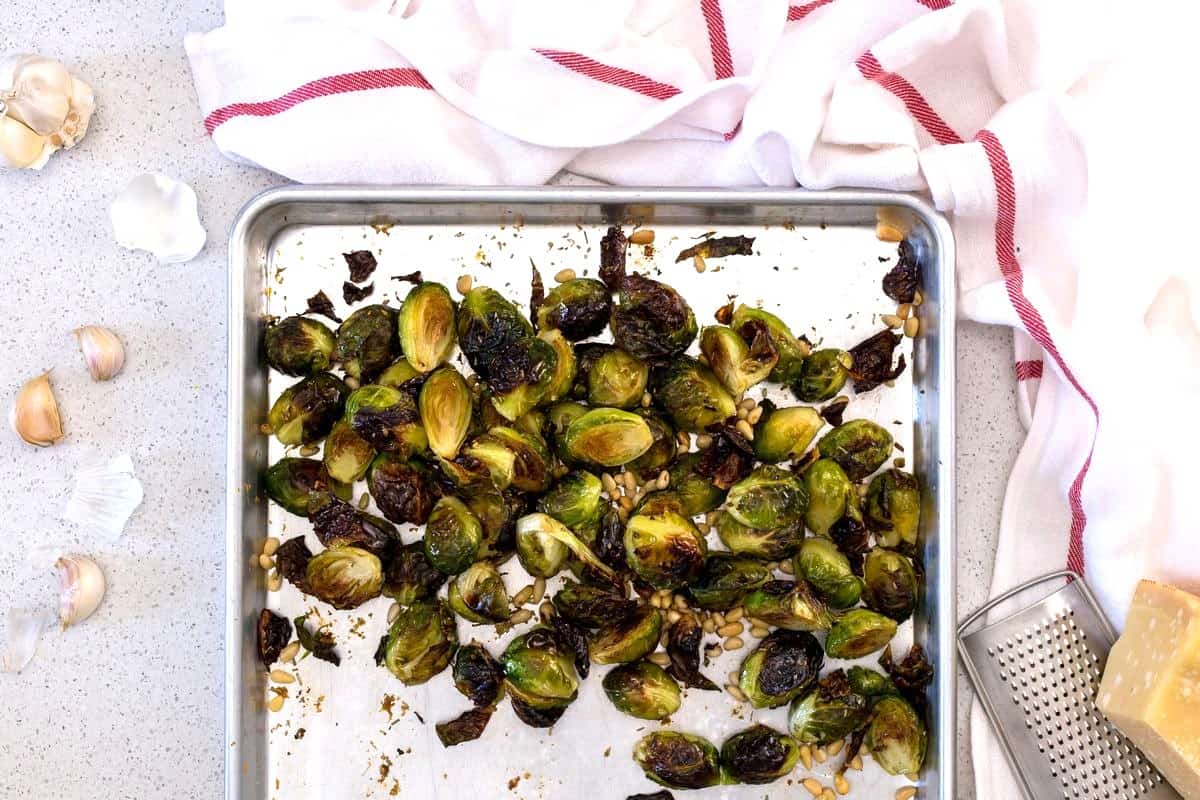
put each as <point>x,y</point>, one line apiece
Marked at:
<point>788,605</point>
<point>869,683</point>
<point>655,503</point>
<point>580,308</point>
<point>564,366</point>
<point>792,351</point>
<point>690,394</point>
<point>543,543</point>
<point>831,711</point>
<point>477,675</point>
<point>558,419</point>
<point>642,689</point>
<point>521,376</point>
<point>769,497</point>
<point>859,447</point>
<point>498,512</point>
<point>664,549</point>
<point>625,640</point>
<point>896,736</point>
<point>400,375</point>
<point>891,584</point>
<point>477,594</point>
<point>298,346</point>
<point>339,524</point>
<point>893,510</point>
<point>498,462</point>
<point>828,572</point>
<point>487,324</point>
<point>420,642</point>
<point>829,490</point>
<point>651,320</point>
<point>289,480</point>
<point>617,379</point>
<point>823,375</point>
<point>402,489</point>
<point>785,665</point>
<point>387,418</point>
<point>426,324</point>
<point>608,437</point>
<point>662,453</point>
<point>725,580</point>
<point>737,364</point>
<point>678,760</point>
<point>409,578</point>
<point>759,755</point>
<point>784,433</point>
<point>345,577</point>
<point>771,544</point>
<point>539,671</point>
<point>305,411</point>
<point>858,633</point>
<point>445,408</point>
<point>367,342</point>
<point>531,460</point>
<point>591,606</point>
<point>586,356</point>
<point>684,636</point>
<point>453,536</point>
<point>697,492</point>
<point>577,502</point>
<point>347,455</point>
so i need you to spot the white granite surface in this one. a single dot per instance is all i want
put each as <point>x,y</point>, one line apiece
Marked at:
<point>129,705</point>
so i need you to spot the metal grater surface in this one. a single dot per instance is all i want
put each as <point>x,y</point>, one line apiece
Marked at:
<point>1036,673</point>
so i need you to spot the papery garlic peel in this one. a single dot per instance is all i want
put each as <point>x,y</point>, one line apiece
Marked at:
<point>102,350</point>
<point>81,588</point>
<point>34,413</point>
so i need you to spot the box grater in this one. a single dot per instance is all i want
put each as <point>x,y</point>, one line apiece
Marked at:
<point>1036,672</point>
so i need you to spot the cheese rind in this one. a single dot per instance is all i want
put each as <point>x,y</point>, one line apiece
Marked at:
<point>1151,684</point>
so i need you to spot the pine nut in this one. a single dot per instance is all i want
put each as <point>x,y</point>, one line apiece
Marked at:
<point>759,632</point>
<point>907,793</point>
<point>744,429</point>
<point>522,597</point>
<point>708,625</point>
<point>699,263</point>
<point>660,658</point>
<point>673,616</point>
<point>735,677</point>
<point>655,601</point>
<point>610,484</point>
<point>736,692</point>
<point>891,320</point>
<point>918,298</point>
<point>904,311</point>
<point>912,776</point>
<point>755,415</point>
<point>274,581</point>
<point>363,502</point>
<point>464,284</point>
<point>787,568</point>
<point>630,482</point>
<point>664,479</point>
<point>835,748</point>
<point>841,784</point>
<point>681,602</point>
<point>546,609</point>
<point>819,755</point>
<point>270,546</point>
<point>733,643</point>
<point>309,450</point>
<point>351,382</point>
<point>642,236</point>
<point>626,503</point>
<point>828,794</point>
<point>646,399</point>
<point>742,413</point>
<point>564,275</point>
<point>814,786</point>
<point>855,763</point>
<point>265,561</point>
<point>289,652</point>
<point>279,676</point>
<point>718,618</point>
<point>899,462</point>
<point>734,614</point>
<point>539,590</point>
<point>806,757</point>
<point>912,326</point>
<point>276,703</point>
<point>730,629</point>
<point>703,441</point>
<point>522,616</point>
<point>393,612</point>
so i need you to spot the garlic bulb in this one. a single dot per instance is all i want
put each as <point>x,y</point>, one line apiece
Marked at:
<point>81,585</point>
<point>34,414</point>
<point>21,147</point>
<point>102,350</point>
<point>46,109</point>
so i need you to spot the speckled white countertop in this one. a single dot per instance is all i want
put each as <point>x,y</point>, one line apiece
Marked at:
<point>130,704</point>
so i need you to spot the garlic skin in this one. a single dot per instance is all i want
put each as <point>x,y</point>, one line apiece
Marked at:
<point>81,585</point>
<point>34,413</point>
<point>106,494</point>
<point>161,215</point>
<point>45,108</point>
<point>102,350</point>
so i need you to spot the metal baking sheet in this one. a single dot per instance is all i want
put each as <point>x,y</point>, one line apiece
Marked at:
<point>357,732</point>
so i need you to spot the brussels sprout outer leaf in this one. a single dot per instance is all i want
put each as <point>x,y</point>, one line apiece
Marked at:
<point>683,648</point>
<point>274,632</point>
<point>466,727</point>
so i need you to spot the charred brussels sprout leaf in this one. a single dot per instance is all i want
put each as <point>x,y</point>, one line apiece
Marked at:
<point>543,544</point>
<point>663,795</point>
<point>771,544</point>
<point>728,459</point>
<point>426,324</point>
<point>445,408</point>
<point>487,454</point>
<point>610,541</point>
<point>367,342</point>
<point>859,447</point>
<point>829,490</point>
<point>690,394</point>
<point>651,320</point>
<point>521,376</point>
<point>828,572</point>
<point>291,561</point>
<point>823,375</point>
<point>466,727</point>
<point>289,480</point>
<point>536,717</point>
<point>664,549</point>
<point>643,690</point>
<point>607,437</point>
<point>785,665</point>
<point>851,535</point>
<point>662,453</point>
<point>339,524</point>
<point>347,455</point>
<point>791,606</point>
<point>565,368</point>
<point>387,418</point>
<point>903,280</point>
<point>274,632</point>
<point>403,490</point>
<point>320,303</point>
<point>540,672</point>
<point>401,375</point>
<point>299,346</point>
<point>318,643</point>
<point>896,737</point>
<point>576,501</point>
<point>409,578</point>
<point>784,433</point>
<point>612,258</point>
<point>477,675</point>
<point>305,411</point>
<point>891,584</point>
<point>719,247</point>
<point>736,363</point>
<point>531,462</point>
<point>628,639</point>
<point>858,633</point>
<point>872,361</point>
<point>683,648</point>
<point>478,595</point>
<point>769,497</point>
<point>911,676</point>
<point>792,351</point>
<point>696,491</point>
<point>362,264</point>
<point>498,512</point>
<point>592,606</point>
<point>574,639</point>
<point>725,580</point>
<point>487,324</point>
<point>617,379</point>
<point>893,510</point>
<point>678,760</point>
<point>759,755</point>
<point>453,536</point>
<point>420,642</point>
<point>580,308</point>
<point>345,577</point>
<point>831,711</point>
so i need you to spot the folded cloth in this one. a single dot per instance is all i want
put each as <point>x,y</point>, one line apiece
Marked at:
<point>1008,113</point>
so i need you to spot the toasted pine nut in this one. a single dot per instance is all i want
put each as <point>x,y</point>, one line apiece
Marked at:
<point>279,676</point>
<point>646,399</point>
<point>609,482</point>
<point>276,703</point>
<point>699,263</point>
<point>642,236</point>
<point>814,786</point>
<point>546,609</point>
<point>309,450</point>
<point>759,632</point>
<point>755,415</point>
<point>351,384</point>
<point>718,618</point>
<point>265,561</point>
<point>733,643</point>
<point>806,757</point>
<point>907,793</point>
<point>660,658</point>
<point>918,298</point>
<point>564,275</point>
<point>835,747</point>
<point>912,326</point>
<point>522,616</point>
<point>393,612</point>
<point>522,597</point>
<point>539,589</point>
<point>841,784</point>
<point>912,776</point>
<point>681,602</point>
<point>855,763</point>
<point>708,625</point>
<point>630,482</point>
<point>656,601</point>
<point>464,284</point>
<point>289,652</point>
<point>270,546</point>
<point>891,320</point>
<point>735,677</point>
<point>819,755</point>
<point>904,311</point>
<point>703,441</point>
<point>673,616</point>
<point>274,581</point>
<point>664,479</point>
<point>363,502</point>
<point>899,462</point>
<point>828,794</point>
<point>744,429</point>
<point>742,413</point>
<point>787,568</point>
<point>626,503</point>
<point>730,629</point>
<point>734,614</point>
<point>736,692</point>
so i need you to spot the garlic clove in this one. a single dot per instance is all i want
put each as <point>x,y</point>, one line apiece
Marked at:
<point>34,413</point>
<point>81,585</point>
<point>102,350</point>
<point>40,91</point>
<point>21,147</point>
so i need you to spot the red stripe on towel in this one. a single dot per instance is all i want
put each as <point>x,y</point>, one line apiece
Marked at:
<point>1028,370</point>
<point>718,40</point>
<point>613,76</point>
<point>913,100</point>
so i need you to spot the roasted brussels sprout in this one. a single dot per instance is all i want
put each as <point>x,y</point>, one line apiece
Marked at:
<point>498,512</point>
<point>829,490</point>
<point>792,351</point>
<point>339,524</point>
<point>400,375</point>
<point>543,543</point>
<point>736,364</point>
<point>591,606</point>
<point>274,633</point>
<point>305,411</point>
<point>445,408</point>
<point>662,453</point>
<point>531,460</point>
<point>869,683</point>
<point>291,561</point>
<point>565,367</point>
<point>453,536</point>
<point>759,755</point>
<point>690,394</point>
<point>896,736</point>
<point>891,584</point>
<point>683,649</point>
<point>768,543</point>
<point>788,605</point>
<point>651,320</point>
<point>486,452</point>
<point>625,640</point>
<point>858,633</point>
<point>420,642</point>
<point>642,689</point>
<point>345,577</point>
<point>521,376</point>
<point>785,665</point>
<point>859,447</point>
<point>580,308</point>
<point>586,356</point>
<point>851,535</point>
<point>426,324</point>
<point>617,379</point>
<point>610,541</point>
<point>477,594</point>
<point>725,580</point>
<point>577,502</point>
<point>558,419</point>
<point>832,710</point>
<point>607,437</point>
<point>403,490</point>
<point>769,497</point>
<point>387,418</point>
<point>893,510</point>
<point>697,492</point>
<point>784,433</point>
<point>367,342</point>
<point>477,675</point>
<point>678,760</point>
<point>539,672</point>
<point>828,572</point>
<point>823,375</point>
<point>347,455</point>
<point>289,480</point>
<point>487,324</point>
<point>298,346</point>
<point>873,361</point>
<point>466,727</point>
<point>664,549</point>
<point>409,578</point>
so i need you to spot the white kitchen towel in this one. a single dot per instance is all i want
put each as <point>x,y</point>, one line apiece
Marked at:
<point>1051,158</point>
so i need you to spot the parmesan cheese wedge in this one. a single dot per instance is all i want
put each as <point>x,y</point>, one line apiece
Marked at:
<point>1151,684</point>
